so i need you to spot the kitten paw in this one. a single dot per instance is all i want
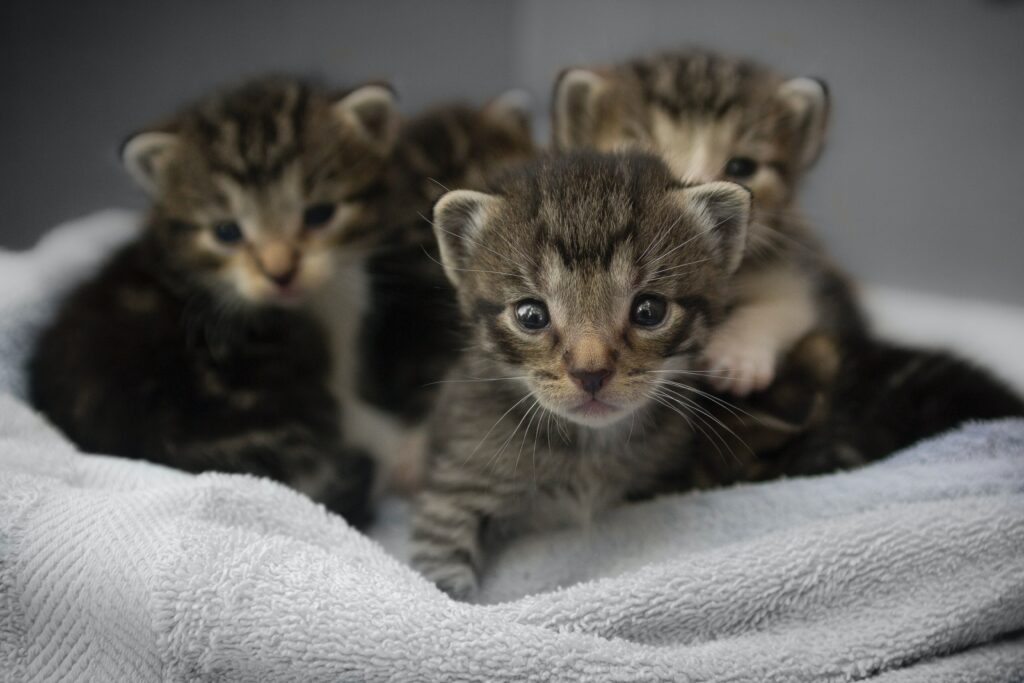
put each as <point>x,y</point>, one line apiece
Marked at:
<point>738,366</point>
<point>457,580</point>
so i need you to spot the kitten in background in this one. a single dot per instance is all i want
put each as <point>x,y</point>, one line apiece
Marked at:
<point>409,336</point>
<point>587,283</point>
<point>191,347</point>
<point>717,118</point>
<point>843,397</point>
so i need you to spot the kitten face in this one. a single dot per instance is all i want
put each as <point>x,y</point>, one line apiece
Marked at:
<point>709,117</point>
<point>458,146</point>
<point>259,186</point>
<point>588,275</point>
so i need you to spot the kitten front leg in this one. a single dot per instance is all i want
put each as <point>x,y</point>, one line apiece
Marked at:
<point>448,524</point>
<point>776,310</point>
<point>446,537</point>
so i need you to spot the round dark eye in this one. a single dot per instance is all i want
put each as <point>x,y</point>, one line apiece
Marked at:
<point>227,232</point>
<point>741,167</point>
<point>648,310</point>
<point>317,215</point>
<point>532,314</point>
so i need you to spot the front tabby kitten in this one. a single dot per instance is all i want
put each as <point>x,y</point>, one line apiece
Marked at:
<point>717,118</point>
<point>587,281</point>
<point>191,347</point>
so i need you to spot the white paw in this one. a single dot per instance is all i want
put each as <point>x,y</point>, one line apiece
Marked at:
<point>739,366</point>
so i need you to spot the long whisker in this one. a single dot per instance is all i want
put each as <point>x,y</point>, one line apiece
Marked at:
<point>712,417</point>
<point>503,416</point>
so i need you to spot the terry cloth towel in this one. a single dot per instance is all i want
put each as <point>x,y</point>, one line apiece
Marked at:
<point>911,569</point>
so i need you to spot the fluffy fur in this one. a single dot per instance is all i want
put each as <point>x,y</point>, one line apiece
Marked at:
<point>630,269</point>
<point>407,339</point>
<point>717,118</point>
<point>190,348</point>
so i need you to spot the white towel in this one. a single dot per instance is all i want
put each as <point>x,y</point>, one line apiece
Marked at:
<point>911,569</point>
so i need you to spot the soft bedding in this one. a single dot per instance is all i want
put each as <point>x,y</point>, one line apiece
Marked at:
<point>911,569</point>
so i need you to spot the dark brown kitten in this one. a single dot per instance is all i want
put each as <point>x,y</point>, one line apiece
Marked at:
<point>190,347</point>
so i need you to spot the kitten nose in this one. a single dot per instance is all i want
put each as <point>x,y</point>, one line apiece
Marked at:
<point>279,262</point>
<point>591,381</point>
<point>284,279</point>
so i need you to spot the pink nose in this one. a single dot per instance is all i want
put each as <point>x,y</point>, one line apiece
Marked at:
<point>591,381</point>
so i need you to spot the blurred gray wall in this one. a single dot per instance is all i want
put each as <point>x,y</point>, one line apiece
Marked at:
<point>920,185</point>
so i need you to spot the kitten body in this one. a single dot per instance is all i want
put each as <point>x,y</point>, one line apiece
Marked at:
<point>716,118</point>
<point>406,342</point>
<point>587,282</point>
<point>193,347</point>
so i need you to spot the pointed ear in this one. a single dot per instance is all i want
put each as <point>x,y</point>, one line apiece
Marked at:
<point>575,106</point>
<point>459,218</point>
<point>724,211</point>
<point>373,111</point>
<point>147,156</point>
<point>808,99</point>
<point>513,108</point>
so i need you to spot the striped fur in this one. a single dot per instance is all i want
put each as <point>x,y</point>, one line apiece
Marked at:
<point>190,351</point>
<point>710,116</point>
<point>408,337</point>
<point>515,439</point>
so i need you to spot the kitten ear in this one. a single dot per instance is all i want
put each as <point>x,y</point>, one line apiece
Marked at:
<point>147,156</point>
<point>808,99</point>
<point>725,210</point>
<point>459,217</point>
<point>574,110</point>
<point>373,111</point>
<point>514,108</point>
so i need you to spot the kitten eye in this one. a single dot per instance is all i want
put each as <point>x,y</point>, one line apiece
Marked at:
<point>648,310</point>
<point>227,232</point>
<point>532,314</point>
<point>317,215</point>
<point>740,167</point>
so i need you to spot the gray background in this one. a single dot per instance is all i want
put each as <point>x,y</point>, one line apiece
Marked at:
<point>920,185</point>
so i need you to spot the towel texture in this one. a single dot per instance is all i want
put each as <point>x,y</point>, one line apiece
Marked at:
<point>911,569</point>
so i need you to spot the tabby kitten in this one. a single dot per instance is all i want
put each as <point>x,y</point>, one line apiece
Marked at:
<point>191,347</point>
<point>406,342</point>
<point>587,281</point>
<point>845,398</point>
<point>717,118</point>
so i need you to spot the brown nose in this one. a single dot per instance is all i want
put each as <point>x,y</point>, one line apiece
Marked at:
<point>591,381</point>
<point>279,262</point>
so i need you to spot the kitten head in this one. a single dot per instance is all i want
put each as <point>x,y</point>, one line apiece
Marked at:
<point>710,118</point>
<point>458,146</point>
<point>590,275</point>
<point>256,187</point>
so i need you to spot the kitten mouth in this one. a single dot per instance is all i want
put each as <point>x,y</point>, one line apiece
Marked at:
<point>594,407</point>
<point>287,296</point>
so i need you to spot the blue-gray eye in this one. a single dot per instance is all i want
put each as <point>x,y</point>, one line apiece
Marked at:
<point>227,232</point>
<point>532,314</point>
<point>740,167</point>
<point>317,215</point>
<point>648,310</point>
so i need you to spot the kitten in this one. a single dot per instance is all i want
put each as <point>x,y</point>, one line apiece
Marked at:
<point>587,281</point>
<point>191,347</point>
<point>405,344</point>
<point>837,408</point>
<point>717,118</point>
<point>714,117</point>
